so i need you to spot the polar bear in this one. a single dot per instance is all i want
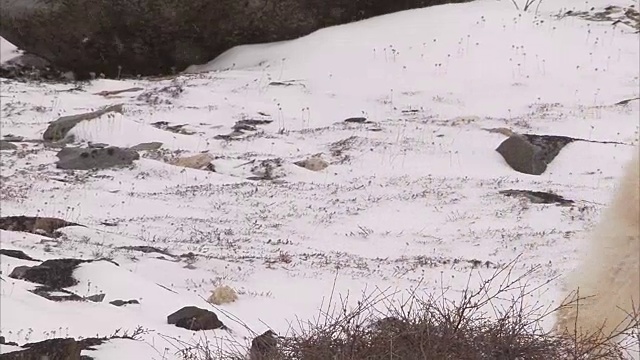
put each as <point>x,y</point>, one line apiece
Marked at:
<point>607,280</point>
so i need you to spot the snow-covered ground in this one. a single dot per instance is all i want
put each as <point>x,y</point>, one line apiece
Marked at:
<point>408,200</point>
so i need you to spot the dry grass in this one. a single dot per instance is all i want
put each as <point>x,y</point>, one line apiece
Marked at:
<point>492,322</point>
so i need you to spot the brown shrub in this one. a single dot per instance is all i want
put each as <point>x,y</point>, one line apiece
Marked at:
<point>433,327</point>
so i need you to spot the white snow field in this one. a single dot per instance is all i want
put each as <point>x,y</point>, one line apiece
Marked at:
<point>410,200</point>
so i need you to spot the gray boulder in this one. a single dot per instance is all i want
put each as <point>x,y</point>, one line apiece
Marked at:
<point>530,154</point>
<point>87,159</point>
<point>152,37</point>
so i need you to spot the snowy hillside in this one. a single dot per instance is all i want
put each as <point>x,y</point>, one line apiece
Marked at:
<point>410,198</point>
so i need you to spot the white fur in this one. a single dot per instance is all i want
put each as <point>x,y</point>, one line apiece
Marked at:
<point>609,273</point>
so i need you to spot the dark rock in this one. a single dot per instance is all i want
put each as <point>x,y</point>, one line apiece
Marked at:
<point>5,145</point>
<point>58,129</point>
<point>538,197</point>
<point>264,347</point>
<point>254,122</point>
<point>18,254</point>
<point>33,224</point>
<point>3,341</point>
<point>549,145</point>
<point>95,298</point>
<point>194,318</point>
<point>521,155</point>
<point>240,127</point>
<point>249,125</point>
<point>155,145</point>
<point>87,159</point>
<point>56,273</point>
<point>57,349</point>
<point>12,138</point>
<point>52,349</point>
<point>149,37</point>
<point>122,302</point>
<point>107,93</point>
<point>530,154</point>
<point>55,294</point>
<point>32,67</point>
<point>231,136</point>
<point>357,120</point>
<point>146,249</point>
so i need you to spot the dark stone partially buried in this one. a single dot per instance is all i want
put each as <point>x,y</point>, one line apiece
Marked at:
<point>18,254</point>
<point>538,197</point>
<point>152,37</point>
<point>52,349</point>
<point>264,346</point>
<point>530,154</point>
<point>57,349</point>
<point>194,318</point>
<point>34,224</point>
<point>56,273</point>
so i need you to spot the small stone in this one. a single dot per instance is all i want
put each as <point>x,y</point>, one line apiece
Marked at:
<point>313,164</point>
<point>18,254</point>
<point>96,298</point>
<point>122,302</point>
<point>148,146</point>
<point>538,197</point>
<point>91,145</point>
<point>6,145</point>
<point>198,161</point>
<point>13,138</point>
<point>357,120</point>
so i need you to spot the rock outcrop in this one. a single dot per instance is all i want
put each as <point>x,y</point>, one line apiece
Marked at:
<point>151,37</point>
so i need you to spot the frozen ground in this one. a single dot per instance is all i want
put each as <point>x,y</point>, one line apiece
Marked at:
<point>409,200</point>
